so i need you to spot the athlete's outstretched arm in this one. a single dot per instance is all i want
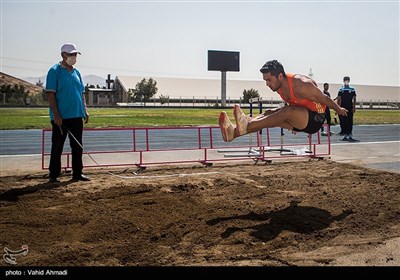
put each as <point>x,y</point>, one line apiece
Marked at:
<point>310,91</point>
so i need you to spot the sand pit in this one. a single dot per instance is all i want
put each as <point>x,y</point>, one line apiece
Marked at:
<point>303,213</point>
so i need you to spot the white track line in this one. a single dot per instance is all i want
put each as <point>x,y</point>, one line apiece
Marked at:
<point>163,176</point>
<point>364,143</point>
<point>27,155</point>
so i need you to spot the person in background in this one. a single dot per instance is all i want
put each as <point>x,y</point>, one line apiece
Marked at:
<point>327,112</point>
<point>347,99</point>
<point>65,91</point>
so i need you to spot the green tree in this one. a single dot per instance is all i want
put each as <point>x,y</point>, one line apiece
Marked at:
<point>144,90</point>
<point>164,99</point>
<point>248,94</point>
<point>14,95</point>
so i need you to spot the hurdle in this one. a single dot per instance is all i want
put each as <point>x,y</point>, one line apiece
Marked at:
<point>287,151</point>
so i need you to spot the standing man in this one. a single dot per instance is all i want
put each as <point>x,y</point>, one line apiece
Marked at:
<point>305,112</point>
<point>327,112</point>
<point>67,103</point>
<point>347,99</point>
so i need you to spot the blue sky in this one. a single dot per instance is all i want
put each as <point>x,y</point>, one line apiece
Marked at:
<point>359,39</point>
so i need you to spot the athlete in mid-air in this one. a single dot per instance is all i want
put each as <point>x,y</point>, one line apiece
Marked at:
<point>305,111</point>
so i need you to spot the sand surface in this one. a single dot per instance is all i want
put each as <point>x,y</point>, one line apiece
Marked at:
<point>304,213</point>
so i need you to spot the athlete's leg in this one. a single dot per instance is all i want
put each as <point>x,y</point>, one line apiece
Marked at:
<point>266,113</point>
<point>288,117</point>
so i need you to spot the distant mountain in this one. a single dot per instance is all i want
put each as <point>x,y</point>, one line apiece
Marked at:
<point>88,79</point>
<point>11,80</point>
<point>35,80</point>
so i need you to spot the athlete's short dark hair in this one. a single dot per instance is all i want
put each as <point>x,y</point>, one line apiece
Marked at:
<point>326,84</point>
<point>274,67</point>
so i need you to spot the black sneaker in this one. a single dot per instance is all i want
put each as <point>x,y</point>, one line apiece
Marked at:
<point>81,178</point>
<point>54,180</point>
<point>340,133</point>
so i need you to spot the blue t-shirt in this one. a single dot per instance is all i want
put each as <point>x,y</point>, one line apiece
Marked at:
<point>68,88</point>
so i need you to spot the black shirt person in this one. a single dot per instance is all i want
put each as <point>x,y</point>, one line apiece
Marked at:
<point>347,99</point>
<point>327,112</point>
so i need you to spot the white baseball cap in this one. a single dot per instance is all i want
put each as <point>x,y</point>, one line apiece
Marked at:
<point>69,48</point>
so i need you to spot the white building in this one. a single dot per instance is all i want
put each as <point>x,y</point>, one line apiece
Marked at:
<point>211,88</point>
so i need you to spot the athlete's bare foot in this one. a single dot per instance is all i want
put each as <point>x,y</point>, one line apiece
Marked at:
<point>227,128</point>
<point>241,120</point>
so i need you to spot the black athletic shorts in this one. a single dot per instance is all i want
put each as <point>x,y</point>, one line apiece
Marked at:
<point>315,121</point>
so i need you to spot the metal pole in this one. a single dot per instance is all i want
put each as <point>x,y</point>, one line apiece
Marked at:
<point>260,104</point>
<point>251,115</point>
<point>223,88</point>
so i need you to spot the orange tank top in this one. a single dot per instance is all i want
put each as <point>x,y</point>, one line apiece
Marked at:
<point>295,101</point>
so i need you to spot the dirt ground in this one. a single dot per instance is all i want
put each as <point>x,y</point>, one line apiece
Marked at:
<point>303,213</point>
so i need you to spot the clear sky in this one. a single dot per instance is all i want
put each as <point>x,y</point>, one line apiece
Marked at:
<point>359,39</point>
